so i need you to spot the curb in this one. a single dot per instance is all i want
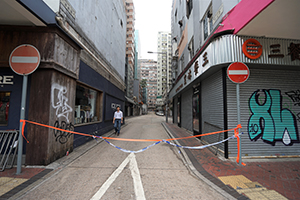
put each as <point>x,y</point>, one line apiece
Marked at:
<point>192,168</point>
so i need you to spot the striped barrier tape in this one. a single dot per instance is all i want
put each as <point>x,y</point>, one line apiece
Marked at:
<point>157,141</point>
<point>165,141</point>
<point>129,151</point>
<point>120,139</point>
<point>170,143</point>
<point>199,147</point>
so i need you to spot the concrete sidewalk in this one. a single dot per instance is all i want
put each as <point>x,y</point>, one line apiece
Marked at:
<point>259,179</point>
<point>13,186</point>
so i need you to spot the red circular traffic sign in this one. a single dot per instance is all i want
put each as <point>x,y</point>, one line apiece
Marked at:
<point>252,48</point>
<point>24,59</point>
<point>238,72</point>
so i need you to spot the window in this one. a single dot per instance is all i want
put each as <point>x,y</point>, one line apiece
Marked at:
<point>182,63</point>
<point>191,48</point>
<point>189,7</point>
<point>87,105</point>
<point>207,23</point>
<point>4,107</point>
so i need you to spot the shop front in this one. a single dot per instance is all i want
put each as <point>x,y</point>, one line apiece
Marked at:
<point>95,104</point>
<point>64,92</point>
<point>10,98</point>
<point>269,99</point>
<point>50,92</point>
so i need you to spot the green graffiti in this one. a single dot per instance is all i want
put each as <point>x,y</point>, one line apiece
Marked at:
<point>270,121</point>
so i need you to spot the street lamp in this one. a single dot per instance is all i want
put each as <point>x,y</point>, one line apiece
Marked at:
<point>166,53</point>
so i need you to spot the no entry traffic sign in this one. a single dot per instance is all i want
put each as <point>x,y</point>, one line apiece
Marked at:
<point>24,59</point>
<point>238,72</point>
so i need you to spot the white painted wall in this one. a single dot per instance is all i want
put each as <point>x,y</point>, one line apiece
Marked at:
<point>101,21</point>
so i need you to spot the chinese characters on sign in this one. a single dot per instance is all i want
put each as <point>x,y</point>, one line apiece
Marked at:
<point>205,60</point>
<point>196,67</point>
<point>253,50</point>
<point>179,87</point>
<point>275,51</point>
<point>190,74</point>
<point>294,51</point>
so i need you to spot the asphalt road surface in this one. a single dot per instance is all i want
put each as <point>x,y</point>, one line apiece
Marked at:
<point>105,172</point>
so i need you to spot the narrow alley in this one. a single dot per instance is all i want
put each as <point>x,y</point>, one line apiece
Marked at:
<point>156,173</point>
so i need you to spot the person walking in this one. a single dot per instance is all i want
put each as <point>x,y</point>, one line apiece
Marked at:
<point>118,120</point>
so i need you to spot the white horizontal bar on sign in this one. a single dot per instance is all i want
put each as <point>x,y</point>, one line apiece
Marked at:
<point>24,59</point>
<point>238,72</point>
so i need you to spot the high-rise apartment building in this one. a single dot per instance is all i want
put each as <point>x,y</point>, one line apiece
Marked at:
<point>164,73</point>
<point>148,71</point>
<point>136,78</point>
<point>130,50</point>
<point>130,54</point>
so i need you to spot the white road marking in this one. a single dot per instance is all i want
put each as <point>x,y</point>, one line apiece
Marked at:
<point>238,72</point>
<point>24,59</point>
<point>137,182</point>
<point>138,186</point>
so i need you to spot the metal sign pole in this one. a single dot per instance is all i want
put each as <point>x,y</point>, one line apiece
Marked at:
<point>22,116</point>
<point>238,118</point>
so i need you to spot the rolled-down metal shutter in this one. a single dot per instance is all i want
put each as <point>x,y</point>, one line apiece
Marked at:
<point>212,108</point>
<point>278,112</point>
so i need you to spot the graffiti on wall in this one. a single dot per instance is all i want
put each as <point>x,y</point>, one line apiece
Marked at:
<point>59,102</point>
<point>269,121</point>
<point>62,136</point>
<point>295,97</point>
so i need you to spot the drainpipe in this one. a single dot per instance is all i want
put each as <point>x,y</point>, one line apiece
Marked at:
<point>61,24</point>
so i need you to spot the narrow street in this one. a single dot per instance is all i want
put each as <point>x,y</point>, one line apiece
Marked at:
<point>105,172</point>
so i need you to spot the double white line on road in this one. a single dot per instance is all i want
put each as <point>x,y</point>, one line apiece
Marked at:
<point>135,173</point>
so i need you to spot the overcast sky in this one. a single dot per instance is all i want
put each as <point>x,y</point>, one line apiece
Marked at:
<point>151,16</point>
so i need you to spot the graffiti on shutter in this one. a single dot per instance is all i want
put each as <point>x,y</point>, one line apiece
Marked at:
<point>270,121</point>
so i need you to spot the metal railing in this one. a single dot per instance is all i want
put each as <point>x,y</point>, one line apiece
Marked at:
<point>8,148</point>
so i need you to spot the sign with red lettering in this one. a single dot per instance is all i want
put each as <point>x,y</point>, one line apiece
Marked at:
<point>238,72</point>
<point>24,59</point>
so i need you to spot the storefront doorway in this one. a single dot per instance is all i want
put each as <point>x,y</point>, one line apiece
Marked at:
<point>196,111</point>
<point>179,111</point>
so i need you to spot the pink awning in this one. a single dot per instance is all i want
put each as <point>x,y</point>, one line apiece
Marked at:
<point>239,16</point>
<point>263,18</point>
